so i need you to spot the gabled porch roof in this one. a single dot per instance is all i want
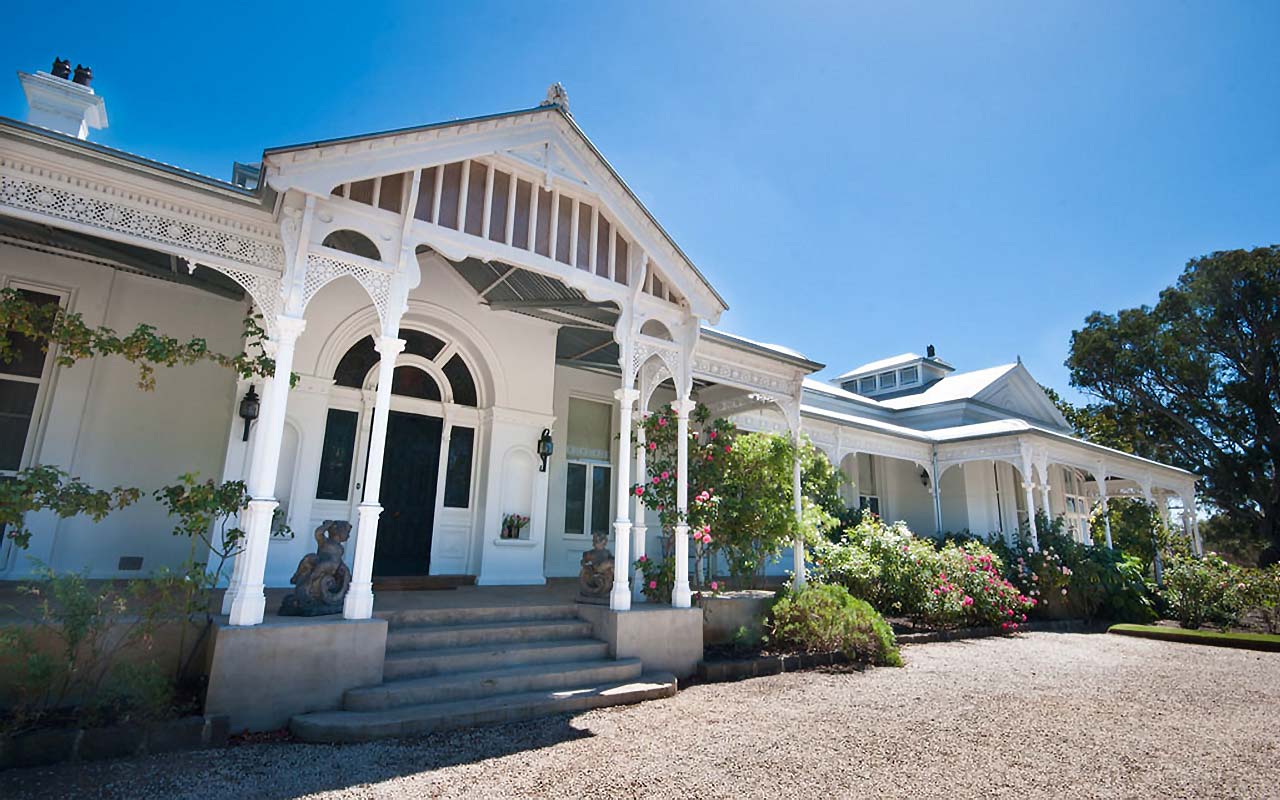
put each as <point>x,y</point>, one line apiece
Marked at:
<point>510,137</point>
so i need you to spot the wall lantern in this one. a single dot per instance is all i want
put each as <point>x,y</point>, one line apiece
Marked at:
<point>545,448</point>
<point>250,405</point>
<point>924,477</point>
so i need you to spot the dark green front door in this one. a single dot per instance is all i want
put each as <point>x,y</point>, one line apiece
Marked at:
<point>410,467</point>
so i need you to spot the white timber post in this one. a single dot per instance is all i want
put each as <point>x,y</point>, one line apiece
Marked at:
<point>935,489</point>
<point>1100,477</point>
<point>359,602</point>
<point>247,603</point>
<point>1157,564</point>
<point>1044,490</point>
<point>639,531</point>
<point>620,596</point>
<point>1029,488</point>
<point>798,574</point>
<point>681,595</point>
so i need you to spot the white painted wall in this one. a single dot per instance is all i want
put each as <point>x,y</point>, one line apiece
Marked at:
<point>99,426</point>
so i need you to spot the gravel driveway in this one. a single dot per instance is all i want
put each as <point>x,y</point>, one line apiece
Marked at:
<point>1040,715</point>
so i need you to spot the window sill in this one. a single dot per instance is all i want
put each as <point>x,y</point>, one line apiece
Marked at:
<point>514,542</point>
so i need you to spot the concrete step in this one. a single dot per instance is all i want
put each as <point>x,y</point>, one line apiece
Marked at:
<point>421,663</point>
<point>508,680</point>
<point>475,615</point>
<point>436,636</point>
<point>359,726</point>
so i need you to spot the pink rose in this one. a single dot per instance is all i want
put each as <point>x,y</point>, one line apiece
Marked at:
<point>712,435</point>
<point>715,587</point>
<point>665,475</point>
<point>662,422</point>
<point>639,491</point>
<point>653,445</point>
<point>644,558</point>
<point>653,584</point>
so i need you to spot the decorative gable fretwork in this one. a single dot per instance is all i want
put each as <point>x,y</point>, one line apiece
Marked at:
<point>494,202</point>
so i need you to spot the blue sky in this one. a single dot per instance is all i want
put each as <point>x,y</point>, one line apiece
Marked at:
<point>856,179</point>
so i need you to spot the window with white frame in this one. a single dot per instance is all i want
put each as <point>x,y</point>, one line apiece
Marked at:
<point>1077,505</point>
<point>867,385</point>
<point>588,471</point>
<point>22,383</point>
<point>868,485</point>
<point>909,376</point>
<point>888,380</point>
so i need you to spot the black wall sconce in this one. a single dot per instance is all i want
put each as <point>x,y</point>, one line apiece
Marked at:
<point>924,477</point>
<point>545,448</point>
<point>250,405</point>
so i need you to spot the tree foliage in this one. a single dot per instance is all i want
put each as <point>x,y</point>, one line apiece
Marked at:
<point>1195,381</point>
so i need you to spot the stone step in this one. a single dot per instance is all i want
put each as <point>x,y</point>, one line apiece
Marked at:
<point>436,636</point>
<point>422,663</point>
<point>417,617</point>
<point>508,680</point>
<point>359,726</point>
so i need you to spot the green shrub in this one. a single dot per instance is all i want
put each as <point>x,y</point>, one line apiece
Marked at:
<point>1073,580</point>
<point>821,618</point>
<point>1206,590</point>
<point>903,575</point>
<point>70,657</point>
<point>1263,595</point>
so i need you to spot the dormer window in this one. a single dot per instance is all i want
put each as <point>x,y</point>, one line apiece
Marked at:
<point>909,376</point>
<point>888,380</point>
<point>867,385</point>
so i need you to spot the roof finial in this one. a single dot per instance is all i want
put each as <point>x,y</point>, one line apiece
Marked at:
<point>1019,358</point>
<point>557,96</point>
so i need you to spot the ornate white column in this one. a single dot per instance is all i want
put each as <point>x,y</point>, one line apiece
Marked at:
<point>1029,488</point>
<point>359,602</point>
<point>681,595</point>
<point>247,602</point>
<point>620,596</point>
<point>1044,494</point>
<point>639,531</point>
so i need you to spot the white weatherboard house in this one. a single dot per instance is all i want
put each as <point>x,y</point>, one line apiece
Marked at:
<point>446,294</point>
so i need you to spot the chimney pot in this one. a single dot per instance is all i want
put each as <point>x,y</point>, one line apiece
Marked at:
<point>84,75</point>
<point>61,68</point>
<point>931,351</point>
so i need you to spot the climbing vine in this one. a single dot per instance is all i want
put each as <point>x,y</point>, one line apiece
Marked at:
<point>72,339</point>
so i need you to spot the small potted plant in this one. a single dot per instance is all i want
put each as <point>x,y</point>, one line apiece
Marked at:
<point>512,524</point>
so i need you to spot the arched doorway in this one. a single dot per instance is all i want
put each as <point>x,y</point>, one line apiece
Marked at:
<point>429,458</point>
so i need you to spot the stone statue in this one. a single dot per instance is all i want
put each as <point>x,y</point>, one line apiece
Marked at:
<point>61,68</point>
<point>595,580</point>
<point>321,580</point>
<point>557,96</point>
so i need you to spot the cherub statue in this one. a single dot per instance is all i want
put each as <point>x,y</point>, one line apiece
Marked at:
<point>595,580</point>
<point>322,579</point>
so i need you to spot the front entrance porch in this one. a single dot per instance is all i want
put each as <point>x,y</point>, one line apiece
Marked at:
<point>436,660</point>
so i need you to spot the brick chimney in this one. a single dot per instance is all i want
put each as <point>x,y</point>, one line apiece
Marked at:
<point>57,101</point>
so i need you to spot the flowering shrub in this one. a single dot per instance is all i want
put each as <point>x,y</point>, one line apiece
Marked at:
<point>901,574</point>
<point>971,590</point>
<point>1205,590</point>
<point>708,447</point>
<point>658,577</point>
<point>1072,580</point>
<point>821,618</point>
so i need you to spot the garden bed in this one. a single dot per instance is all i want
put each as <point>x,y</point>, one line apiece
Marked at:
<point>1034,626</point>
<point>1245,641</point>
<point>717,670</point>
<point>53,745</point>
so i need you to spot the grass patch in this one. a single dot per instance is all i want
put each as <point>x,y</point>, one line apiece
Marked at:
<point>1246,641</point>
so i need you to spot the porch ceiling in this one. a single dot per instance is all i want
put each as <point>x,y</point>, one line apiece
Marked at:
<point>117,255</point>
<point>586,327</point>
